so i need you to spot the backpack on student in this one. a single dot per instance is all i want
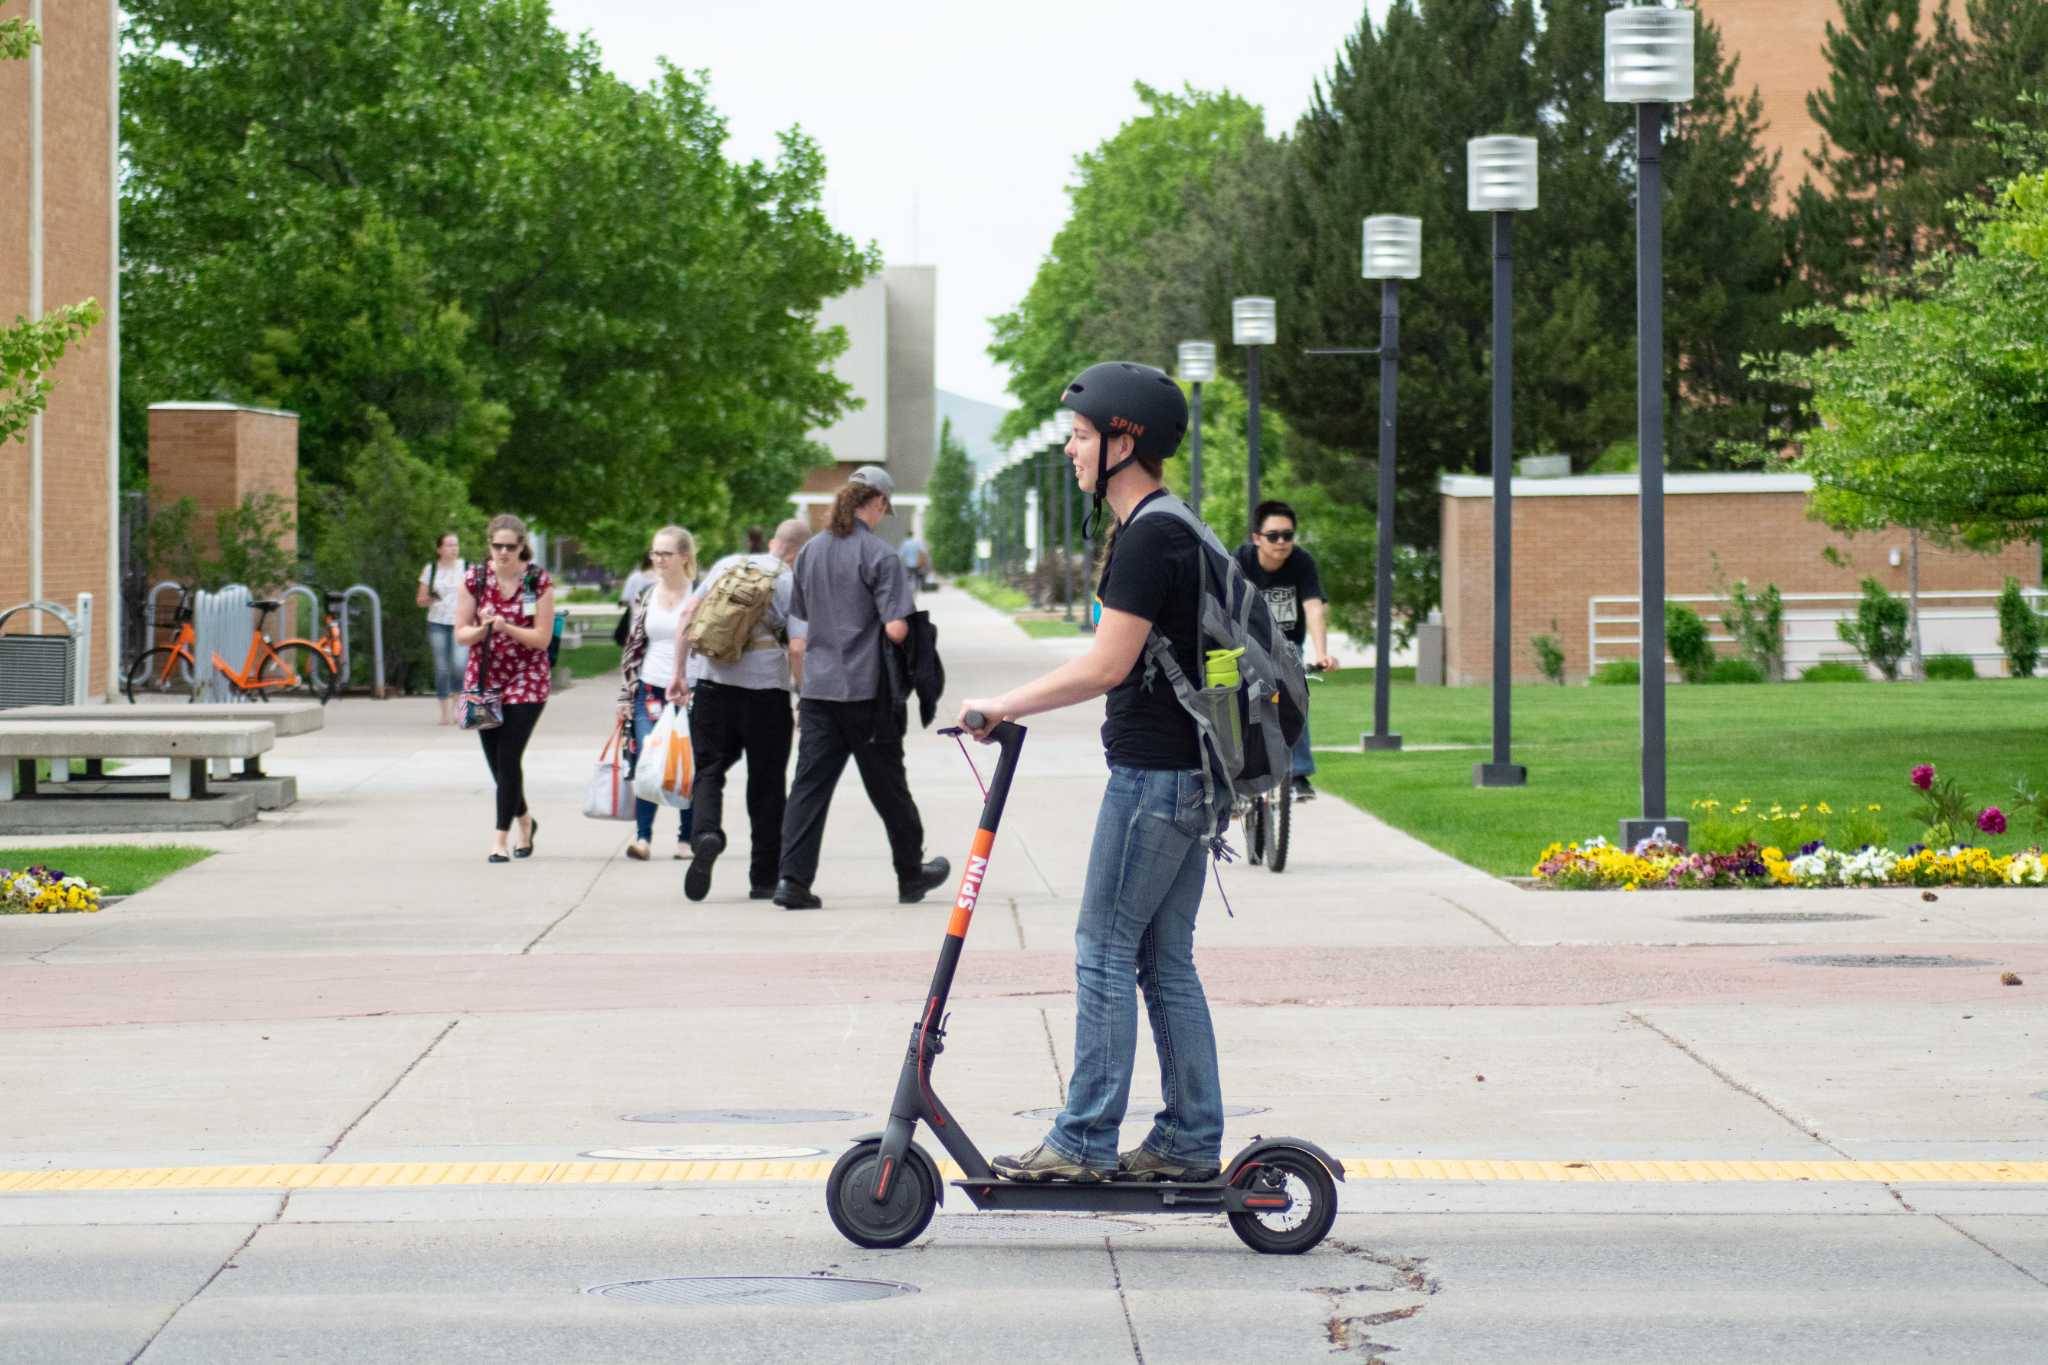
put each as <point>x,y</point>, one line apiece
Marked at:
<point>1249,717</point>
<point>728,620</point>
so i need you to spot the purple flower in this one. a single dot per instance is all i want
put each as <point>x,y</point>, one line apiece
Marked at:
<point>1991,820</point>
<point>1911,849</point>
<point>1923,776</point>
<point>1808,849</point>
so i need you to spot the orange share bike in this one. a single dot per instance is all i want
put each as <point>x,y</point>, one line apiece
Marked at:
<point>295,667</point>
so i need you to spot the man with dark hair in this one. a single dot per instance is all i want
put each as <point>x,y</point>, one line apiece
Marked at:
<point>1287,575</point>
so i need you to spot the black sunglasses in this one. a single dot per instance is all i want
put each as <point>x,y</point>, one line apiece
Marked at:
<point>1277,537</point>
<point>507,546</point>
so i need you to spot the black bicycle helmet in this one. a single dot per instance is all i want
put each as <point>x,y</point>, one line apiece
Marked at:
<point>1123,398</point>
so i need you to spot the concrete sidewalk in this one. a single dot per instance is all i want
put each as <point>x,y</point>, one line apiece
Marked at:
<point>350,982</point>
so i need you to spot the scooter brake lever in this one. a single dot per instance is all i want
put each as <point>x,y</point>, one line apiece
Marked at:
<point>950,732</point>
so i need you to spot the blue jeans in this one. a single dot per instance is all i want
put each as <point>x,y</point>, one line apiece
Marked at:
<point>1137,928</point>
<point>650,701</point>
<point>1304,757</point>
<point>450,659</point>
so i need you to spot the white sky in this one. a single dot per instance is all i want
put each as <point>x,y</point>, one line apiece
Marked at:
<point>949,128</point>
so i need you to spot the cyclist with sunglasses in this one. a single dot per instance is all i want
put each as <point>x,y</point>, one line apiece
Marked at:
<point>1286,574</point>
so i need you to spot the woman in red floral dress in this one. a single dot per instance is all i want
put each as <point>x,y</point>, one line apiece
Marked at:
<point>512,600</point>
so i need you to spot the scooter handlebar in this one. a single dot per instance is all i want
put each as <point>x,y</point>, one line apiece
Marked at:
<point>975,720</point>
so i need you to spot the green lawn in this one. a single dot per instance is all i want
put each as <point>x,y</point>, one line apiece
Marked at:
<point>117,869</point>
<point>1847,745</point>
<point>591,659</point>
<point>1050,630</point>
<point>1001,596</point>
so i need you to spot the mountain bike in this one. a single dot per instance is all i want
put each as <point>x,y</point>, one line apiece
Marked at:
<point>296,668</point>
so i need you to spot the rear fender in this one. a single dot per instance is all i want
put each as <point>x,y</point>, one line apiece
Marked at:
<point>1261,1145</point>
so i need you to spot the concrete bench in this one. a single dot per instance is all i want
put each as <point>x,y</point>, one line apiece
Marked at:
<point>189,745</point>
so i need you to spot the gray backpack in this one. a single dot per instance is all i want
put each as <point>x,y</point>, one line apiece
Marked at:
<point>1245,730</point>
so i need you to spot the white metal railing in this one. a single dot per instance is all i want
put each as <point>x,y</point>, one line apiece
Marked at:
<point>1956,622</point>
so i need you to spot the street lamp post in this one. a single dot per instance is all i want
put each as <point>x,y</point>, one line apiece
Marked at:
<point>1252,325</point>
<point>1501,180</point>
<point>1650,64</point>
<point>1063,429</point>
<point>1198,367</point>
<point>1393,253</point>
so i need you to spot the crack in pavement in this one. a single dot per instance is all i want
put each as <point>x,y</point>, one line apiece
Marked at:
<point>1346,1330</point>
<point>342,1136</point>
<point>1898,1197</point>
<point>1484,922</point>
<point>1116,1278</point>
<point>1052,1050</point>
<point>577,904</point>
<point>227,1264</point>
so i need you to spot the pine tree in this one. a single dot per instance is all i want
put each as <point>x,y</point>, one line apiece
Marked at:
<point>2002,60</point>
<point>949,520</point>
<point>1865,223</point>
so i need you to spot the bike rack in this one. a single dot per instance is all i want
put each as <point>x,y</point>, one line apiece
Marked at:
<point>220,625</point>
<point>310,629</point>
<point>376,637</point>
<point>155,618</point>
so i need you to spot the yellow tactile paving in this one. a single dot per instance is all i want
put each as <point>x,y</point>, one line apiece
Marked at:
<point>435,1174</point>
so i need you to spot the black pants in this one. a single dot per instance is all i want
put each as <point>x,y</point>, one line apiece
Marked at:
<point>505,751</point>
<point>727,724</point>
<point>871,734</point>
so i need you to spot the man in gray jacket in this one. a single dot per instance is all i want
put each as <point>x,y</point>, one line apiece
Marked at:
<point>852,593</point>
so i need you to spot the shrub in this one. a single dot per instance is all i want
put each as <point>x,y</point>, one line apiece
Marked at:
<point>1757,622</point>
<point>2019,630</point>
<point>1618,673</point>
<point>1686,636</point>
<point>1833,671</point>
<point>1879,632</point>
<point>1734,671</point>
<point>1550,654</point>
<point>1950,668</point>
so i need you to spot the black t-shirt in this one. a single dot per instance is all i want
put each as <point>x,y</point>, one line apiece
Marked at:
<point>1286,588</point>
<point>1153,574</point>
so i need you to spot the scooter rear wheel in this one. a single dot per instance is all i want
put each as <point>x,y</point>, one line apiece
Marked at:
<point>899,1219</point>
<point>1309,1218</point>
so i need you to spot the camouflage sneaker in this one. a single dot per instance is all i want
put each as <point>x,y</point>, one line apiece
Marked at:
<point>1144,1164</point>
<point>1043,1163</point>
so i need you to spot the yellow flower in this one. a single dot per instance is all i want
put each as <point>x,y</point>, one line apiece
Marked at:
<point>1873,806</point>
<point>1628,886</point>
<point>1823,808</point>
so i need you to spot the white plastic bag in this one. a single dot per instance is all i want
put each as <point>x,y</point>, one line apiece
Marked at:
<point>610,793</point>
<point>665,768</point>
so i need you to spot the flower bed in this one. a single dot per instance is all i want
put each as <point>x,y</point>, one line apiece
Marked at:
<point>45,891</point>
<point>1944,860</point>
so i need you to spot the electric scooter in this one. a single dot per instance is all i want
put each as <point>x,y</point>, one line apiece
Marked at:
<point>1279,1193</point>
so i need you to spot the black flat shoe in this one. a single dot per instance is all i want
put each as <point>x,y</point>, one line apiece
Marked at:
<point>526,850</point>
<point>497,858</point>
<point>706,847</point>
<point>790,896</point>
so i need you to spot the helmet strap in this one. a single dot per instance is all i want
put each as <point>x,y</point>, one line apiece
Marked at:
<point>1104,472</point>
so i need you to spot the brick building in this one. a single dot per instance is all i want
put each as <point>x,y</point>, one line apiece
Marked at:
<point>1576,565</point>
<point>57,246</point>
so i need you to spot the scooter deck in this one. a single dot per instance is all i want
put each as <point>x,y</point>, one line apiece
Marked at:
<point>1121,1196</point>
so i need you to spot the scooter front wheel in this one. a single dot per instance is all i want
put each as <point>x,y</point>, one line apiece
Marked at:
<point>1312,1204</point>
<point>896,1221</point>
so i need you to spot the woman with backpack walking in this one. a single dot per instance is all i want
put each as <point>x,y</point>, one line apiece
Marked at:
<point>440,584</point>
<point>506,615</point>
<point>647,669</point>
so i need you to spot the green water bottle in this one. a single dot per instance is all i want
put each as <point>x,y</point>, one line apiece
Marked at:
<point>1222,667</point>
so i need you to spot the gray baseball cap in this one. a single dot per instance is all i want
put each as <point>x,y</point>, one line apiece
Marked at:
<point>877,478</point>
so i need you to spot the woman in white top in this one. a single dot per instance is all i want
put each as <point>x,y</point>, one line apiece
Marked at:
<point>440,583</point>
<point>648,666</point>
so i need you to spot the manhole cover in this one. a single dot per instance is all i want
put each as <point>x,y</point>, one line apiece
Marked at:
<point>1775,917</point>
<point>1230,1111</point>
<point>745,1116</point>
<point>712,1153</point>
<point>1885,960</point>
<point>774,1291</point>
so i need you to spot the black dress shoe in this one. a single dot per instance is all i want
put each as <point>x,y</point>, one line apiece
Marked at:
<point>704,851</point>
<point>760,893</point>
<point>790,896</point>
<point>932,874</point>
